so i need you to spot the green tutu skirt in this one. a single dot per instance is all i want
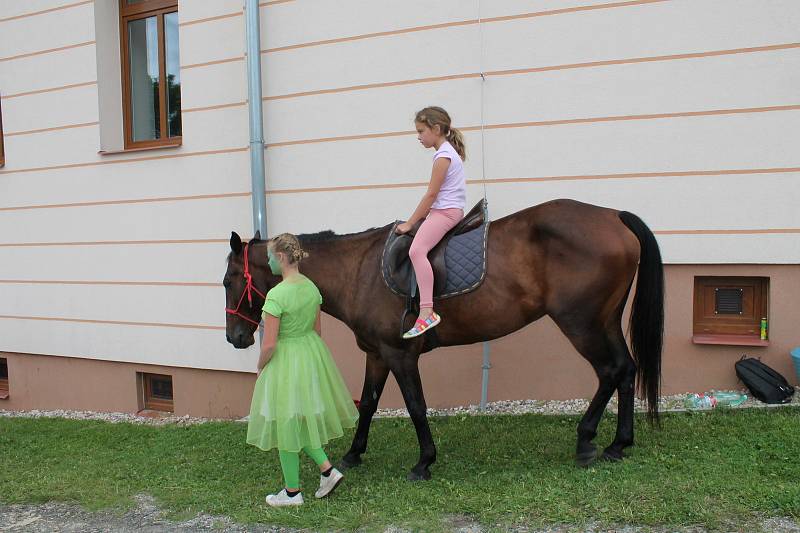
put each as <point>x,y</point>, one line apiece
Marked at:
<point>300,399</point>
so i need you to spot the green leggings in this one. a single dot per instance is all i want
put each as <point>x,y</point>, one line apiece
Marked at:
<point>290,464</point>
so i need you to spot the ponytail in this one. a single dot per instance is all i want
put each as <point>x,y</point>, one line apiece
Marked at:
<point>456,138</point>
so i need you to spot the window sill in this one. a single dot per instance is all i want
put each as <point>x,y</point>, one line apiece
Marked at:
<point>729,340</point>
<point>141,149</point>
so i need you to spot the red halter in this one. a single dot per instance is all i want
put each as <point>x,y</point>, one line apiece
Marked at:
<point>248,288</point>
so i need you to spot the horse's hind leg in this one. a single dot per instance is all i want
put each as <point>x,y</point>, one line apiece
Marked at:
<point>405,367</point>
<point>626,390</point>
<point>374,379</point>
<point>594,344</point>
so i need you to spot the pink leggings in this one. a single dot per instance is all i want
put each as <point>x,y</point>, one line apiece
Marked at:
<point>438,222</point>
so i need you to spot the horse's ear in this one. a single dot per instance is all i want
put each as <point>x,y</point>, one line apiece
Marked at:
<point>257,236</point>
<point>236,243</point>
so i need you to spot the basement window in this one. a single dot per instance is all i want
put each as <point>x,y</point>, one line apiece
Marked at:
<point>729,310</point>
<point>3,378</point>
<point>156,392</point>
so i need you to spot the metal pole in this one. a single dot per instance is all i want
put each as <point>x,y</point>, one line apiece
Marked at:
<point>486,365</point>
<point>485,381</point>
<point>256,117</point>
<point>257,186</point>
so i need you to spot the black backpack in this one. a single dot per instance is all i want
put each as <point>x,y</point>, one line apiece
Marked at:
<point>765,383</point>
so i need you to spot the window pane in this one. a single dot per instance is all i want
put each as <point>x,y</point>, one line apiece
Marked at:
<point>143,47</point>
<point>2,153</point>
<point>161,388</point>
<point>173,74</point>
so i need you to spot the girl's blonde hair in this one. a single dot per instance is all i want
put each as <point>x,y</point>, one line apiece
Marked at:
<point>436,116</point>
<point>288,244</point>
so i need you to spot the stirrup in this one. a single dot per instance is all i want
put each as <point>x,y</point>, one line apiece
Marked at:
<point>421,326</point>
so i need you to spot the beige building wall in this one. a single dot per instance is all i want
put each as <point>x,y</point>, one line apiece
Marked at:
<point>683,112</point>
<point>535,363</point>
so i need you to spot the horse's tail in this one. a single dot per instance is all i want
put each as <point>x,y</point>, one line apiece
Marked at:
<point>646,326</point>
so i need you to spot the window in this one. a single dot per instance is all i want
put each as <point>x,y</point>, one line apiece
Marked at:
<point>156,392</point>
<point>151,79</point>
<point>728,310</point>
<point>3,378</point>
<point>2,150</point>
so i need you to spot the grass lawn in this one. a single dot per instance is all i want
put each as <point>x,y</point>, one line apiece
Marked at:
<point>712,468</point>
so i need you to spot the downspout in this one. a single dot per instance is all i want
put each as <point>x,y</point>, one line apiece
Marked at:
<point>485,376</point>
<point>258,190</point>
<point>487,365</point>
<point>257,187</point>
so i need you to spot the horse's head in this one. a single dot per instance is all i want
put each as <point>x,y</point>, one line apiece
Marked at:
<point>246,283</point>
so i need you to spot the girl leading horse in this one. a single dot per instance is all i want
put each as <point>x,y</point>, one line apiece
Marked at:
<point>572,261</point>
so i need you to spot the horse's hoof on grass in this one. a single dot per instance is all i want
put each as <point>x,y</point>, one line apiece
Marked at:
<point>613,456</point>
<point>586,457</point>
<point>417,476</point>
<point>348,463</point>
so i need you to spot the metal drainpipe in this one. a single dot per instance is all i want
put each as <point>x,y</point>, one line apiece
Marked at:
<point>485,377</point>
<point>257,186</point>
<point>258,189</point>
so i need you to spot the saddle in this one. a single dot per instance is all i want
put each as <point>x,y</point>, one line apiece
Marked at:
<point>458,261</point>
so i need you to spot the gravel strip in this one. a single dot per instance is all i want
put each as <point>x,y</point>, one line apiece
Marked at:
<point>114,418</point>
<point>672,403</point>
<point>145,517</point>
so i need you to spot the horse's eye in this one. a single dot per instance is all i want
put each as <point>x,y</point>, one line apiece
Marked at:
<point>226,283</point>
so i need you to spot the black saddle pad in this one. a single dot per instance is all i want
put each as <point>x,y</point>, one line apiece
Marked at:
<point>458,261</point>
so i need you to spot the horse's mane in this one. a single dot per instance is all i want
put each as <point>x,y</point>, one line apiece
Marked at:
<point>328,235</point>
<point>321,236</point>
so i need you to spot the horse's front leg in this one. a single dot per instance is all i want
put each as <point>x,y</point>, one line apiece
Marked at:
<point>404,366</point>
<point>374,380</point>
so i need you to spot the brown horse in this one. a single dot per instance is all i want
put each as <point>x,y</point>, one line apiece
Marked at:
<point>572,261</point>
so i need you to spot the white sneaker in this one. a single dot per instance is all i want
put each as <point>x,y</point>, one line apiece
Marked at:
<point>284,500</point>
<point>327,484</point>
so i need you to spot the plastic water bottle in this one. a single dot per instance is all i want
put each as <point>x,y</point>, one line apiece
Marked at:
<point>730,399</point>
<point>700,401</point>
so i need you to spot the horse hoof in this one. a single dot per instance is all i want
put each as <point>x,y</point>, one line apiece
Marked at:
<point>416,476</point>
<point>613,456</point>
<point>586,457</point>
<point>349,462</point>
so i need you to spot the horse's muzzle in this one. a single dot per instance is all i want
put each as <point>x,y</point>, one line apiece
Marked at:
<point>241,340</point>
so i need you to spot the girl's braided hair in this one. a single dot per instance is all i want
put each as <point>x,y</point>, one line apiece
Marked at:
<point>288,244</point>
